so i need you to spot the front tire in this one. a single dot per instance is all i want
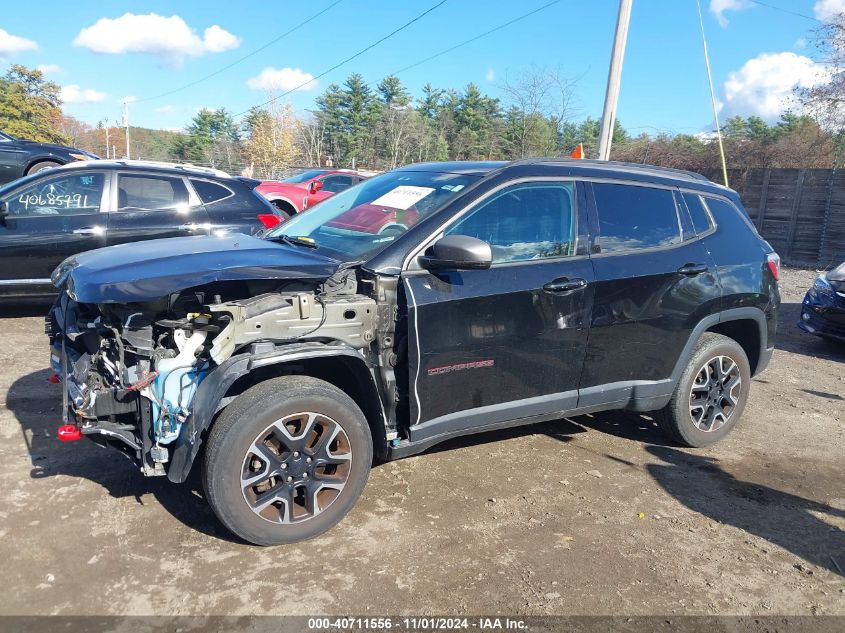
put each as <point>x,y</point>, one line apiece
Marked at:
<point>711,394</point>
<point>287,460</point>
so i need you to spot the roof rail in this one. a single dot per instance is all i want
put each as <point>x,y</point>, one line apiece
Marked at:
<point>188,167</point>
<point>614,163</point>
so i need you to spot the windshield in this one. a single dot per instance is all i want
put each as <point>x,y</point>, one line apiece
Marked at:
<point>306,175</point>
<point>358,222</point>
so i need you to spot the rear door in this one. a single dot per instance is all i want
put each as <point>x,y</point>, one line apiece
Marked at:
<point>508,342</point>
<point>654,283</point>
<point>148,206</point>
<point>48,220</point>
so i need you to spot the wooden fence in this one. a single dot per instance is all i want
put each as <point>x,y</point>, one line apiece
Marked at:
<point>801,212</point>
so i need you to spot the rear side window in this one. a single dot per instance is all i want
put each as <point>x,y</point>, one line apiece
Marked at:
<point>635,217</point>
<point>150,193</point>
<point>698,213</point>
<point>210,192</point>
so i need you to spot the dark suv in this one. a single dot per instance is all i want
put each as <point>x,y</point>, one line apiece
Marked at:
<point>508,294</point>
<point>53,214</point>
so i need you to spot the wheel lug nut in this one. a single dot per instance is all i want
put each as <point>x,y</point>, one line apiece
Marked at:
<point>284,466</point>
<point>290,479</point>
<point>296,453</point>
<point>305,475</point>
<point>307,460</point>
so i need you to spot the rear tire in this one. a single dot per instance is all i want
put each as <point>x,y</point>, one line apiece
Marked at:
<point>711,394</point>
<point>287,460</point>
<point>42,165</point>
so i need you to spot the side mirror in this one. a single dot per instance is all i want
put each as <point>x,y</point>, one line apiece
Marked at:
<point>315,186</point>
<point>457,252</point>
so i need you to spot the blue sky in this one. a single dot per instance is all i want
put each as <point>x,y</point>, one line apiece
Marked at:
<point>102,55</point>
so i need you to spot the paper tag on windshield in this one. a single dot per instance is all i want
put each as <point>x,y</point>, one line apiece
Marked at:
<point>402,197</point>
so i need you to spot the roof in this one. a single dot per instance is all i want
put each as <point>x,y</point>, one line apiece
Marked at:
<point>147,165</point>
<point>614,168</point>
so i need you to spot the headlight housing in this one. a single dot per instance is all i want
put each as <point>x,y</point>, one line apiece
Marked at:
<point>823,288</point>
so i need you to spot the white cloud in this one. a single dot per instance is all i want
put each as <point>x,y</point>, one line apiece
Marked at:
<point>490,75</point>
<point>826,10</point>
<point>719,7</point>
<point>765,85</point>
<point>49,69</point>
<point>11,44</point>
<point>217,40</point>
<point>165,109</point>
<point>168,38</point>
<point>74,94</point>
<point>128,99</point>
<point>273,79</point>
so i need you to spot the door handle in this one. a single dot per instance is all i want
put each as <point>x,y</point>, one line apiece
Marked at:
<point>192,226</point>
<point>90,230</point>
<point>564,284</point>
<point>692,270</point>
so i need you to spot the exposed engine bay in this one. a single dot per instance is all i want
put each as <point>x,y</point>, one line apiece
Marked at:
<point>131,371</point>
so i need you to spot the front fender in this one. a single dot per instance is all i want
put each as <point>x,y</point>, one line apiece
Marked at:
<point>210,395</point>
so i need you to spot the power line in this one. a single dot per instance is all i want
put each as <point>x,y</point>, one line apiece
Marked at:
<point>473,39</point>
<point>789,11</point>
<point>348,59</point>
<point>247,56</point>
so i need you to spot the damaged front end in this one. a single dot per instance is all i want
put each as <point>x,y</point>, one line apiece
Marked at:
<point>132,371</point>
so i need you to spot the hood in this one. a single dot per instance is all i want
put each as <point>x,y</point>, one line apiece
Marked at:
<point>52,147</point>
<point>144,271</point>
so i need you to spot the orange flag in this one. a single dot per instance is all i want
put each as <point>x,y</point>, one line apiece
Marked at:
<point>578,152</point>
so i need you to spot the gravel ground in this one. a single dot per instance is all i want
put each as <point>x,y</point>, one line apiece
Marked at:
<point>590,515</point>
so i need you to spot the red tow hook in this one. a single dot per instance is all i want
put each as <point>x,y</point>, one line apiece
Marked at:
<point>54,379</point>
<point>69,433</point>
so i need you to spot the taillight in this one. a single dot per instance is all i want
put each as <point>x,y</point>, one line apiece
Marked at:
<point>269,220</point>
<point>773,260</point>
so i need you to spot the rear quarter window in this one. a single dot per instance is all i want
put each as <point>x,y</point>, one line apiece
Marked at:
<point>634,217</point>
<point>210,192</point>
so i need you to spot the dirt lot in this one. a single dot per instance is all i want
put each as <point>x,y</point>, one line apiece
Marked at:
<point>538,520</point>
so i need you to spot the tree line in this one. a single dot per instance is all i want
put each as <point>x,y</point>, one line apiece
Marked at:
<point>378,127</point>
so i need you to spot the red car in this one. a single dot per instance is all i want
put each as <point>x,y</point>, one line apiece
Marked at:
<point>297,193</point>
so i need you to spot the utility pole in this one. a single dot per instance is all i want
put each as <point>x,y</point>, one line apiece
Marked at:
<point>107,138</point>
<point>614,77</point>
<point>126,126</point>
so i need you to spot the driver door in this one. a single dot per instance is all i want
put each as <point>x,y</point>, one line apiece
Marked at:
<point>48,220</point>
<point>508,342</point>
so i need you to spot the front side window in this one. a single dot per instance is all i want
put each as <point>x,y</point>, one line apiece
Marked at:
<point>335,184</point>
<point>633,217</point>
<point>70,194</point>
<point>150,193</point>
<point>527,221</point>
<point>304,176</point>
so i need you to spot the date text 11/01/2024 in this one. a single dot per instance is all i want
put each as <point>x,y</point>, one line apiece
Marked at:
<point>431,623</point>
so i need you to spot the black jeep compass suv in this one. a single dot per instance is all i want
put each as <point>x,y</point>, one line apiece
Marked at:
<point>432,301</point>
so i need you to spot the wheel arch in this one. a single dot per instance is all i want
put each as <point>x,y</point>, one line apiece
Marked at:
<point>43,159</point>
<point>274,198</point>
<point>747,326</point>
<point>345,368</point>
